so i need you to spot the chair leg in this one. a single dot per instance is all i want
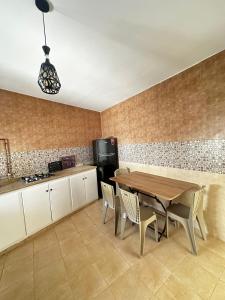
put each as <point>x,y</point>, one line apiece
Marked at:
<point>167,225</point>
<point>156,230</point>
<point>189,236</point>
<point>123,219</point>
<point>117,213</point>
<point>142,229</point>
<point>192,233</point>
<point>201,225</point>
<point>104,211</point>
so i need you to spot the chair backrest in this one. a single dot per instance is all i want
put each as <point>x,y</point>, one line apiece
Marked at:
<point>194,198</point>
<point>197,201</point>
<point>122,171</point>
<point>108,194</point>
<point>131,204</point>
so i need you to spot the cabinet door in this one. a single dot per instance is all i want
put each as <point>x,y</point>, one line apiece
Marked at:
<point>12,227</point>
<point>36,207</point>
<point>91,186</point>
<point>77,191</point>
<point>60,198</point>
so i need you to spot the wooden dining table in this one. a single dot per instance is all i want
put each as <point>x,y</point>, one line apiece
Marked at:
<point>158,187</point>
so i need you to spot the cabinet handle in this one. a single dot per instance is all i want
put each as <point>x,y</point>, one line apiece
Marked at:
<point>46,191</point>
<point>51,190</point>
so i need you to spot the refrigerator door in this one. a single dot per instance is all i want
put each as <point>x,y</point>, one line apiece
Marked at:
<point>106,146</point>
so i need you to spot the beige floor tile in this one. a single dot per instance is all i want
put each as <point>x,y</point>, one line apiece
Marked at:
<point>87,283</point>
<point>179,290</point>
<point>48,278</point>
<point>219,292</point>
<point>81,221</point>
<point>152,272</point>
<point>195,277</point>
<point>130,245</point>
<point>223,277</point>
<point>111,265</point>
<point>99,247</point>
<point>23,251</point>
<point>169,253</point>
<point>90,234</point>
<point>214,245</point>
<point>65,229</point>
<point>46,256</point>
<point>20,271</point>
<point>129,286</point>
<point>164,294</point>
<point>105,295</point>
<point>211,261</point>
<point>59,292</point>
<point>76,261</point>
<point>19,291</point>
<point>45,240</point>
<point>71,244</point>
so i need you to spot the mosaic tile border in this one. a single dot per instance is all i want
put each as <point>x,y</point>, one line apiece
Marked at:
<point>199,155</point>
<point>36,161</point>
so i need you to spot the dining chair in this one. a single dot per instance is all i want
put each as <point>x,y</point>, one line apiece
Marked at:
<point>110,200</point>
<point>143,216</point>
<point>186,215</point>
<point>118,172</point>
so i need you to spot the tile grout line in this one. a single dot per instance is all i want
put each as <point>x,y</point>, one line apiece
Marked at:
<point>62,257</point>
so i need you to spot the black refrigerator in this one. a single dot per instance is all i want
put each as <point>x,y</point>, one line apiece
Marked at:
<point>105,152</point>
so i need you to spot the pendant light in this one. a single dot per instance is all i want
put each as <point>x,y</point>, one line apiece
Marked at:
<point>48,79</point>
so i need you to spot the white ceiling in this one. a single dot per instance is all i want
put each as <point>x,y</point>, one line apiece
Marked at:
<point>106,51</point>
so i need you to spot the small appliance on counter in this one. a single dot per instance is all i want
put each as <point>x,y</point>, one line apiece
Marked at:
<point>68,162</point>
<point>55,166</point>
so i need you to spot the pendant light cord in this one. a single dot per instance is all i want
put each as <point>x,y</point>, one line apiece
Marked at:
<point>44,28</point>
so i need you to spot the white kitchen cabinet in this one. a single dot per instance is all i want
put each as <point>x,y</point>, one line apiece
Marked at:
<point>83,188</point>
<point>78,194</point>
<point>12,227</point>
<point>60,198</point>
<point>91,186</point>
<point>36,207</point>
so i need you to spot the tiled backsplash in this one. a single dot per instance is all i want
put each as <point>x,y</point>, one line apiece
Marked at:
<point>36,161</point>
<point>206,155</point>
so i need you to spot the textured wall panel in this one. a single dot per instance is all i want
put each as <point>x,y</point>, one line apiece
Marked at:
<point>188,106</point>
<point>33,124</point>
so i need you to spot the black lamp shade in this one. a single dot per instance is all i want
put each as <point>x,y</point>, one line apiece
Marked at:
<point>48,79</point>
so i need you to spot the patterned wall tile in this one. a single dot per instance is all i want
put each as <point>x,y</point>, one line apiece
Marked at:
<point>36,161</point>
<point>206,155</point>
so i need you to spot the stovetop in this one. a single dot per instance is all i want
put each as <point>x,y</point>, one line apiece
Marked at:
<point>36,177</point>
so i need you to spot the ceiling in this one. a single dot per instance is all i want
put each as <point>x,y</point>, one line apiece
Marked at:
<point>106,51</point>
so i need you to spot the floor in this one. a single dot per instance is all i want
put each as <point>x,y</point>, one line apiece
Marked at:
<point>81,259</point>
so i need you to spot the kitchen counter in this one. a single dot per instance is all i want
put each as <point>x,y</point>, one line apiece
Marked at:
<point>13,184</point>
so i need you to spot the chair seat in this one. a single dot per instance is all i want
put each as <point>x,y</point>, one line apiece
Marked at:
<point>179,209</point>
<point>146,213</point>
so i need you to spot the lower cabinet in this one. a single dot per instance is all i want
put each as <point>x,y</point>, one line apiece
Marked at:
<point>12,227</point>
<point>60,198</point>
<point>36,207</point>
<point>78,194</point>
<point>83,188</point>
<point>33,208</point>
<point>91,187</point>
